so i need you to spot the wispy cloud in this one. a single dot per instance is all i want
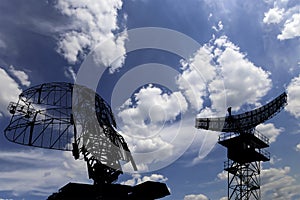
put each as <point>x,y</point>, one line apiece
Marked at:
<point>70,73</point>
<point>278,184</point>
<point>20,75</point>
<point>38,172</point>
<point>9,91</point>
<point>2,44</point>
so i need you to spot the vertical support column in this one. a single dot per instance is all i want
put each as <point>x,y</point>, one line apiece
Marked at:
<point>243,180</point>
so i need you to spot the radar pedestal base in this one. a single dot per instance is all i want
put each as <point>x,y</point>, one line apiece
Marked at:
<point>148,191</point>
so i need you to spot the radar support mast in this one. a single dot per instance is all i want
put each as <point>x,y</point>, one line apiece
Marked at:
<point>245,146</point>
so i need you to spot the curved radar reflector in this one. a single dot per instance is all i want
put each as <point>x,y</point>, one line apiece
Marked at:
<point>244,121</point>
<point>41,117</point>
<point>48,116</point>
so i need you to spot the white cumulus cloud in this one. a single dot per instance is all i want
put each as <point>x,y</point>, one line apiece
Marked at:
<point>244,81</point>
<point>93,22</point>
<point>293,92</point>
<point>72,44</point>
<point>197,73</point>
<point>291,28</point>
<point>223,175</point>
<point>273,16</point>
<point>286,16</point>
<point>224,198</point>
<point>9,91</point>
<point>195,197</point>
<point>220,72</point>
<point>149,123</point>
<point>152,107</point>
<point>270,131</point>
<point>276,183</point>
<point>138,179</point>
<point>298,147</point>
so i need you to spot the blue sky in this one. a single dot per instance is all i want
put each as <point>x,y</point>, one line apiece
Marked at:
<point>195,58</point>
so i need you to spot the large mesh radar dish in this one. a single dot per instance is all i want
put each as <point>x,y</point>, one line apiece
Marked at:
<point>67,117</point>
<point>42,117</point>
<point>96,129</point>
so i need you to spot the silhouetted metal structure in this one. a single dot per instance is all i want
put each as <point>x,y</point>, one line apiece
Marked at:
<point>245,146</point>
<point>70,117</point>
<point>145,191</point>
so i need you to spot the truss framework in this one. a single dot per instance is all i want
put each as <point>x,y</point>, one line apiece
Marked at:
<point>243,180</point>
<point>245,121</point>
<point>245,146</point>
<point>51,116</point>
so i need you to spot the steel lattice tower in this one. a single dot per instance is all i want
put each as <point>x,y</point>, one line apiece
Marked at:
<point>245,147</point>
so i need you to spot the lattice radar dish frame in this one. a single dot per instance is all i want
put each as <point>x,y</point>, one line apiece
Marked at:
<point>68,117</point>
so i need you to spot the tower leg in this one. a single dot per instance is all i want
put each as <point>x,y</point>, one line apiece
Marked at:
<point>243,180</point>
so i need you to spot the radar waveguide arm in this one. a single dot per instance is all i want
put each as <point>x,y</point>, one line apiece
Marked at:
<point>69,117</point>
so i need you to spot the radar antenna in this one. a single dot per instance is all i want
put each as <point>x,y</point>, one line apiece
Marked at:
<point>245,146</point>
<point>44,117</point>
<point>69,117</point>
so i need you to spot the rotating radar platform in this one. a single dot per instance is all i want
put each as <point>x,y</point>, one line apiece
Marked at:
<point>245,146</point>
<point>68,117</point>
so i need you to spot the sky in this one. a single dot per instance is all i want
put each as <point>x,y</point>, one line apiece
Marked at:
<point>159,64</point>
